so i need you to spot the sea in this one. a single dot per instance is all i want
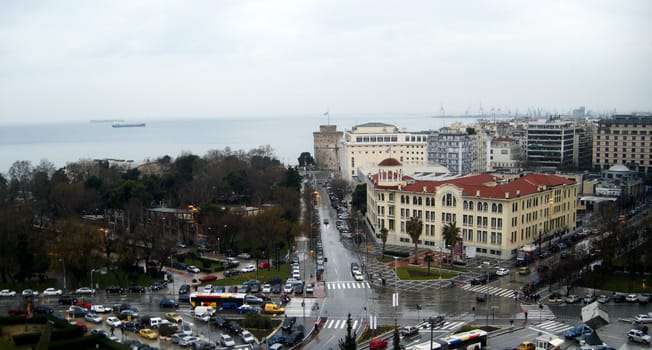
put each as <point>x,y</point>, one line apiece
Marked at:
<point>65,142</point>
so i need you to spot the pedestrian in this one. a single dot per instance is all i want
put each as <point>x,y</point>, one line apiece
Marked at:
<point>112,329</point>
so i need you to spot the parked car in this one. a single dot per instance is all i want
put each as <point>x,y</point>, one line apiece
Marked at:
<point>619,298</point>
<point>193,269</point>
<point>288,322</point>
<point>631,298</point>
<point>114,290</point>
<point>248,268</point>
<point>112,321</point>
<point>289,288</point>
<point>85,290</point>
<point>572,299</point>
<point>207,278</point>
<point>226,340</point>
<point>137,289</point>
<point>644,298</point>
<point>231,273</point>
<point>409,331</point>
<point>100,309</point>
<point>93,317</point>
<point>7,293</point>
<point>77,311</point>
<point>555,298</point>
<point>148,333</point>
<point>233,327</point>
<point>603,299</point>
<point>589,298</point>
<point>378,343</point>
<point>501,271</point>
<point>52,291</point>
<point>254,300</point>
<point>29,293</point>
<point>276,289</point>
<point>247,337</point>
<point>168,303</point>
<point>310,288</point>
<point>638,336</point>
<point>643,318</point>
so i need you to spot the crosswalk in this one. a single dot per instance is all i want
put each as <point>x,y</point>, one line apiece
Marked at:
<point>551,326</point>
<point>446,326</point>
<point>339,324</point>
<point>294,307</point>
<point>347,285</point>
<point>535,312</point>
<point>501,292</point>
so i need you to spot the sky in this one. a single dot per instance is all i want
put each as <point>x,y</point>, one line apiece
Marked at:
<point>81,60</point>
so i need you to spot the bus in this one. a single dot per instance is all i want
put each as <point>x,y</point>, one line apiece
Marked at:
<point>218,300</point>
<point>471,340</point>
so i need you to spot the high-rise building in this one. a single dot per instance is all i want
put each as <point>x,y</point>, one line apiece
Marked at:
<point>551,144</point>
<point>626,140</point>
<point>463,151</point>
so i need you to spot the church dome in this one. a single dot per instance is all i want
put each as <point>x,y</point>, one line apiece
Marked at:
<point>619,168</point>
<point>389,162</point>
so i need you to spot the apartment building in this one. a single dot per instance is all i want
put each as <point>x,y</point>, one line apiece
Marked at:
<point>368,144</point>
<point>626,140</point>
<point>551,144</point>
<point>459,150</point>
<point>496,216</point>
<point>506,154</point>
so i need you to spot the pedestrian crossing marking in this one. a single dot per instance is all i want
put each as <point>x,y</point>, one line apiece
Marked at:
<point>339,324</point>
<point>448,325</point>
<point>501,292</point>
<point>552,326</point>
<point>347,285</point>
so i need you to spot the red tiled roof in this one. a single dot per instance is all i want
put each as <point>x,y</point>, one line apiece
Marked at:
<point>504,139</point>
<point>389,162</point>
<point>484,183</point>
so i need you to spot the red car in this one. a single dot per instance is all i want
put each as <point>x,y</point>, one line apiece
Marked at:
<point>263,265</point>
<point>378,343</point>
<point>83,304</point>
<point>207,278</point>
<point>81,325</point>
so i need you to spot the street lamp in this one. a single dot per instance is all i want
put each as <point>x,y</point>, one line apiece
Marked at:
<point>172,275</point>
<point>432,320</point>
<point>92,285</point>
<point>63,262</point>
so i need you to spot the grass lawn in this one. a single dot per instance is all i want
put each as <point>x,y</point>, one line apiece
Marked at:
<point>386,259</point>
<point>417,273</point>
<point>617,281</point>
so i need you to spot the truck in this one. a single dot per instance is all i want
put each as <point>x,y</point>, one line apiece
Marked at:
<point>525,255</point>
<point>271,308</point>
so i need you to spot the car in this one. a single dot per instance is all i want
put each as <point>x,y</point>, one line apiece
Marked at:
<point>202,317</point>
<point>173,317</point>
<point>100,309</point>
<point>207,288</point>
<point>176,337</point>
<point>252,299</point>
<point>501,271</point>
<point>577,332</point>
<point>158,285</point>
<point>631,298</point>
<point>377,343</point>
<point>523,270</point>
<point>203,344</point>
<point>246,308</point>
<point>219,321</point>
<point>619,298</point>
<point>481,297</point>
<point>42,310</point>
<point>276,289</point>
<point>310,288</point>
<point>93,317</point>
<point>187,341</point>
<point>409,331</point>
<point>526,345</point>
<point>193,269</point>
<point>84,291</point>
<point>288,322</point>
<point>148,333</point>
<point>180,266</point>
<point>572,299</point>
<point>136,289</point>
<point>129,314</point>
<point>247,337</point>
<point>82,303</point>
<point>243,256</point>
<point>100,331</point>
<point>276,346</point>
<point>168,303</point>
<point>263,265</point>
<point>52,291</point>
<point>208,278</point>
<point>184,289</point>
<point>357,275</point>
<point>7,293</point>
<point>267,288</point>
<point>113,321</point>
<point>589,298</point>
<point>248,268</point>
<point>77,311</point>
<point>636,335</point>
<point>29,293</point>
<point>643,318</point>
<point>233,327</point>
<point>226,340</point>
<point>231,273</point>
<point>80,325</point>
<point>187,328</point>
<point>603,299</point>
<point>296,274</point>
<point>277,339</point>
<point>644,298</point>
<point>555,298</point>
<point>114,290</point>
<point>254,288</point>
<point>289,288</point>
<point>298,288</point>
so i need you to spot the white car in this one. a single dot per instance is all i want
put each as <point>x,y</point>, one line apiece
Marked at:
<point>632,298</point>
<point>187,341</point>
<point>289,287</point>
<point>208,288</point>
<point>101,309</point>
<point>296,274</point>
<point>358,276</point>
<point>93,317</point>
<point>501,271</point>
<point>249,268</point>
<point>267,288</point>
<point>202,317</point>
<point>247,337</point>
<point>7,293</point>
<point>29,293</point>
<point>226,340</point>
<point>52,291</point>
<point>113,321</point>
<point>85,290</point>
<point>244,256</point>
<point>643,318</point>
<point>193,269</point>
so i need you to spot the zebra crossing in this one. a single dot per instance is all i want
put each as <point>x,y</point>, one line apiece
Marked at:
<point>294,307</point>
<point>347,285</point>
<point>535,312</point>
<point>551,327</point>
<point>339,324</point>
<point>446,326</point>
<point>501,292</point>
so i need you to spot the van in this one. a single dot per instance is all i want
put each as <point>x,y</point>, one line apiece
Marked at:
<point>273,309</point>
<point>204,310</point>
<point>155,322</point>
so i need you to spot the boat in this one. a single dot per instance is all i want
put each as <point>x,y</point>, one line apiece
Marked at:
<point>128,125</point>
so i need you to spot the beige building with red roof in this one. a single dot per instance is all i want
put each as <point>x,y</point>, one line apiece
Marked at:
<point>496,216</point>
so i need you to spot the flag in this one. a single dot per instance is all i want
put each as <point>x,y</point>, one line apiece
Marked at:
<point>325,113</point>
<point>388,150</point>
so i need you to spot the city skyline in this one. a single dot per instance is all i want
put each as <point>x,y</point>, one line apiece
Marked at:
<point>75,61</point>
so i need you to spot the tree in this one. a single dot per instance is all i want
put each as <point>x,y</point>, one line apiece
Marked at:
<point>414,228</point>
<point>359,198</point>
<point>348,343</point>
<point>396,339</point>
<point>383,237</point>
<point>451,234</point>
<point>428,259</point>
<point>305,159</point>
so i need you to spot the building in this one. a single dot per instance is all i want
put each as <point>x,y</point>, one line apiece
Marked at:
<point>506,154</point>
<point>624,139</point>
<point>551,144</point>
<point>326,143</point>
<point>496,216</point>
<point>620,181</point>
<point>463,151</point>
<point>368,144</point>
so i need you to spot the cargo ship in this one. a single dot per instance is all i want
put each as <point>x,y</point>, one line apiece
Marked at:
<point>128,125</point>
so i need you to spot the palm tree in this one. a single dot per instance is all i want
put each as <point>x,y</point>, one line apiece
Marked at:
<point>383,237</point>
<point>428,259</point>
<point>451,233</point>
<point>348,343</point>
<point>414,228</point>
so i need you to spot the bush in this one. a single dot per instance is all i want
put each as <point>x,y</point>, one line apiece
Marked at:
<point>399,254</point>
<point>257,321</point>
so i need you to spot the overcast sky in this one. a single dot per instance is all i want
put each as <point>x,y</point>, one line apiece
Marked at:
<point>80,60</point>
